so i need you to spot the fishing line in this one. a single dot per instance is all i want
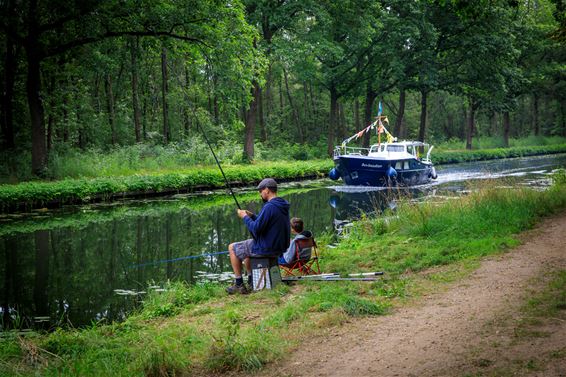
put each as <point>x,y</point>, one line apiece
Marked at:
<point>178,259</point>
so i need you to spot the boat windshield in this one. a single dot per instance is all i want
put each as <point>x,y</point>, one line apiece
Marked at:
<point>395,148</point>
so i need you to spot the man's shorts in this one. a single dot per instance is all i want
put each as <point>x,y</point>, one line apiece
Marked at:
<point>243,249</point>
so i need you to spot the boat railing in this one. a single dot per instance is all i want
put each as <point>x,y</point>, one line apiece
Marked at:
<point>350,151</point>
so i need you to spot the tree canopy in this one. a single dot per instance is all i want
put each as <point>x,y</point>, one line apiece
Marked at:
<point>102,74</point>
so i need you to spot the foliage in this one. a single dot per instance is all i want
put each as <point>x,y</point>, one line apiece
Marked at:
<point>138,183</point>
<point>450,157</point>
<point>34,194</point>
<point>176,296</point>
<point>427,235</point>
<point>198,329</point>
<point>316,64</point>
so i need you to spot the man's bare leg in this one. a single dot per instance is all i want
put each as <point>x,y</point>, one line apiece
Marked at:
<point>236,263</point>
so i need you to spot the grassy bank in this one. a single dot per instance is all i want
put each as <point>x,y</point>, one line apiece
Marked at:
<point>451,157</point>
<point>69,191</point>
<point>79,219</point>
<point>199,329</point>
<point>36,194</point>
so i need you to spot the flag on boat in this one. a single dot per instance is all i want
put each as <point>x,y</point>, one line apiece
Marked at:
<point>379,109</point>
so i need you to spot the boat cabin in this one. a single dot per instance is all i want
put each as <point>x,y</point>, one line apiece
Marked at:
<point>398,150</point>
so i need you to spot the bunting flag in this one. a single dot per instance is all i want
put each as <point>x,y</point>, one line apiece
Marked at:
<point>379,109</point>
<point>379,129</point>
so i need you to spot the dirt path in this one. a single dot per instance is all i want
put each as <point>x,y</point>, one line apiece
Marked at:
<point>467,330</point>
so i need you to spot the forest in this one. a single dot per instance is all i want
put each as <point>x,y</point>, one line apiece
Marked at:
<point>269,78</point>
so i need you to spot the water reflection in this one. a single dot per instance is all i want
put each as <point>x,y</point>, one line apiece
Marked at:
<point>69,266</point>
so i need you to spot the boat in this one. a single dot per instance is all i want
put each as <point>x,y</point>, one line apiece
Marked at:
<point>389,163</point>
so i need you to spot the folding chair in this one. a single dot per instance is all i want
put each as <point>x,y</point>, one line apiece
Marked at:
<point>306,259</point>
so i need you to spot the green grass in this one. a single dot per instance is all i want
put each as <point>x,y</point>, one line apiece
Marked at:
<point>148,170</point>
<point>445,156</point>
<point>493,142</point>
<point>69,191</point>
<point>427,235</point>
<point>198,329</point>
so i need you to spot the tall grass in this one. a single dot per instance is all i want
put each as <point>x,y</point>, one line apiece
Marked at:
<point>198,330</point>
<point>491,142</point>
<point>66,162</point>
<point>424,235</point>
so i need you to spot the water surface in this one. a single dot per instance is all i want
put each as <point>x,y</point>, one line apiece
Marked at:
<point>89,263</point>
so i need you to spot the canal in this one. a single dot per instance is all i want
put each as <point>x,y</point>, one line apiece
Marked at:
<point>81,264</point>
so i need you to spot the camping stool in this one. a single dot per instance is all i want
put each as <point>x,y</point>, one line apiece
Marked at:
<point>265,272</point>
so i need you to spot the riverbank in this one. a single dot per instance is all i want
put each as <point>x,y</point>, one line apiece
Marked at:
<point>199,330</point>
<point>41,194</point>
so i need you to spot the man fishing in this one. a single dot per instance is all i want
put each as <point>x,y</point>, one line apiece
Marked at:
<point>270,230</point>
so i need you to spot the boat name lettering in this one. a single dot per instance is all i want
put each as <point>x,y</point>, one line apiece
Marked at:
<point>371,165</point>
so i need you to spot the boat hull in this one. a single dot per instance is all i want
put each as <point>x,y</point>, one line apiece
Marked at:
<point>368,171</point>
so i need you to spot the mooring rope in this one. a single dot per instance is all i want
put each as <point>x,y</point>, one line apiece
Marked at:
<point>178,259</point>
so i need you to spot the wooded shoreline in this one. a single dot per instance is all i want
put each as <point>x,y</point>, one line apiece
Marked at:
<point>41,194</point>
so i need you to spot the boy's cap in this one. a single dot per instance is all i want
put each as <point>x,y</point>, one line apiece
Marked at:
<point>267,182</point>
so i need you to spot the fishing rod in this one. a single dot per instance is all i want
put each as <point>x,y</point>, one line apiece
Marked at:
<point>217,163</point>
<point>326,278</point>
<point>334,276</point>
<point>178,259</point>
<point>207,142</point>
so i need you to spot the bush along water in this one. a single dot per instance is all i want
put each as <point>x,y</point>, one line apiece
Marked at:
<point>35,194</point>
<point>198,330</point>
<point>45,194</point>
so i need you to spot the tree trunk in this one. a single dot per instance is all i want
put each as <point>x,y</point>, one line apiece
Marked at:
<point>506,128</point>
<point>293,109</point>
<point>164,90</point>
<point>333,119</point>
<point>134,48</point>
<point>470,126</point>
<point>357,124</point>
<point>186,116</point>
<point>83,140</point>
<point>261,117</point>
<point>313,103</point>
<point>268,101</point>
<point>370,99</point>
<point>51,116</point>
<point>110,107</point>
<point>251,116</point>
<point>307,113</point>
<point>422,126</point>
<point>7,118</point>
<point>536,125</point>
<point>399,122</point>
<point>342,132</point>
<point>281,105</point>
<point>38,142</point>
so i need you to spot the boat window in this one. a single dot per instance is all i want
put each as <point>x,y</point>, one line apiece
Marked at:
<point>411,149</point>
<point>406,165</point>
<point>395,148</point>
<point>398,165</point>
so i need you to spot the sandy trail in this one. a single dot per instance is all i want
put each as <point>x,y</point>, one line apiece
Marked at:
<point>467,329</point>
